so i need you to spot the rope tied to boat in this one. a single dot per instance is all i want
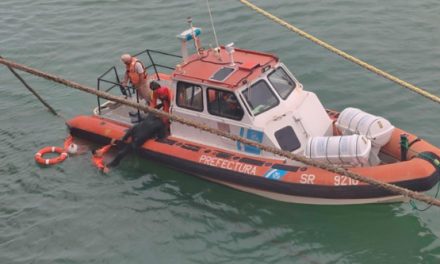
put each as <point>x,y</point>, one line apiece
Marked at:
<point>415,207</point>
<point>343,54</point>
<point>432,158</point>
<point>329,167</point>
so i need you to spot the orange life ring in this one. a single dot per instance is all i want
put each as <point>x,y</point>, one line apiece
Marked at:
<point>39,155</point>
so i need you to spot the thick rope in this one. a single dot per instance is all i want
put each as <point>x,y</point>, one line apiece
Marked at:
<point>343,54</point>
<point>332,168</point>
<point>33,91</point>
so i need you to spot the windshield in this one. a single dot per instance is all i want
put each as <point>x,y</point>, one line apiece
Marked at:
<point>282,82</point>
<point>260,97</point>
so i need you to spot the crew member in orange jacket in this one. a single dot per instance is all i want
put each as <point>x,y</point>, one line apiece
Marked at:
<point>162,93</point>
<point>137,75</point>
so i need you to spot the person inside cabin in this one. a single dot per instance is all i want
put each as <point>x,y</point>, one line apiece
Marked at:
<point>136,73</point>
<point>223,103</point>
<point>152,126</point>
<point>231,107</point>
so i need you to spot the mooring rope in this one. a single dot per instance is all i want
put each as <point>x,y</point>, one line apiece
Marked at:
<point>343,54</point>
<point>332,168</point>
<point>50,108</point>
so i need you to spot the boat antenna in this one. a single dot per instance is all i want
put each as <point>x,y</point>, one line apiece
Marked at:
<point>212,23</point>
<point>189,20</point>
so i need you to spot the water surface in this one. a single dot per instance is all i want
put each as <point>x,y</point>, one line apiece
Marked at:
<point>142,212</point>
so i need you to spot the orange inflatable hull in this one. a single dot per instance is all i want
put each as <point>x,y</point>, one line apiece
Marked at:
<point>271,177</point>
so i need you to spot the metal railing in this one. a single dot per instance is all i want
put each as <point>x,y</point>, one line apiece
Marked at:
<point>128,91</point>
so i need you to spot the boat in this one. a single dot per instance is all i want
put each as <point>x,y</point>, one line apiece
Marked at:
<point>253,94</point>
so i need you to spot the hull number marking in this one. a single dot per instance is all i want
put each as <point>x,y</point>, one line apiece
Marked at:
<point>340,180</point>
<point>307,178</point>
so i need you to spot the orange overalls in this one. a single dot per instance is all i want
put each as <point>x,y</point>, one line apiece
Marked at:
<point>98,157</point>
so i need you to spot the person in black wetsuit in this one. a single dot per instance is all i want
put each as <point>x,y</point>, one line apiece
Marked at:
<point>151,126</point>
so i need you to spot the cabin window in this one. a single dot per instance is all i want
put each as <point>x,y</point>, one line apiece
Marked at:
<point>282,83</point>
<point>224,104</point>
<point>189,96</point>
<point>287,139</point>
<point>260,97</point>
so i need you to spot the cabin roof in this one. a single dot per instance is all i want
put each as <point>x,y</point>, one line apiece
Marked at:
<point>216,70</point>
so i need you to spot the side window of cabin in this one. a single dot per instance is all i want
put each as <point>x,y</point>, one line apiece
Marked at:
<point>224,104</point>
<point>189,96</point>
<point>282,83</point>
<point>287,139</point>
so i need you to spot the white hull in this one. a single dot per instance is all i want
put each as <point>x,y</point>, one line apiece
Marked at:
<point>312,200</point>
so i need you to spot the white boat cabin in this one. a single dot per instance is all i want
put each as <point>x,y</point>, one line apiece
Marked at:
<point>246,93</point>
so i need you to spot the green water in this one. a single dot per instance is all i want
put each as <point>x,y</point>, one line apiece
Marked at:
<point>142,212</point>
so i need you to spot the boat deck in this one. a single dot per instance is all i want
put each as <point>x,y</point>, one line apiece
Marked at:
<point>128,115</point>
<point>120,113</point>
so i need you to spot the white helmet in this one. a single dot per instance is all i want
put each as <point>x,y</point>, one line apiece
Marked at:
<point>72,149</point>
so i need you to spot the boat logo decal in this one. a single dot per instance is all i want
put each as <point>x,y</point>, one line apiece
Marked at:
<point>251,134</point>
<point>275,174</point>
